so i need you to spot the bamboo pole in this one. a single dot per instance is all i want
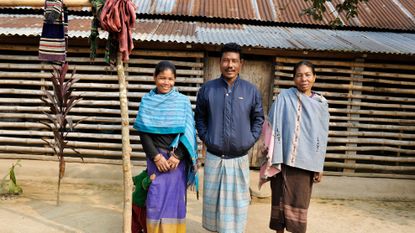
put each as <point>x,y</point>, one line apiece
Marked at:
<point>68,3</point>
<point>369,166</point>
<point>91,152</point>
<point>371,134</point>
<point>99,77</point>
<point>67,159</point>
<point>126,148</point>
<point>347,64</point>
<point>371,175</point>
<point>76,144</point>
<point>371,158</point>
<point>33,133</point>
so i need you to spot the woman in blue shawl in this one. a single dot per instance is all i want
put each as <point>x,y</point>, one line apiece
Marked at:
<point>299,119</point>
<point>167,132</point>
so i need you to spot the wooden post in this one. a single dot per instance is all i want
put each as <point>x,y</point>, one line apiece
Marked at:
<point>126,148</point>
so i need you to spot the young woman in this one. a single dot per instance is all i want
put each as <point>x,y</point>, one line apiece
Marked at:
<point>167,132</point>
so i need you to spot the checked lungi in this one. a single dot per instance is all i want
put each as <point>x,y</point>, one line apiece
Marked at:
<point>225,194</point>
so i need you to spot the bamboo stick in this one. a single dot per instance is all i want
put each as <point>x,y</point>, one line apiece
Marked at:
<point>351,87</point>
<point>370,148</point>
<point>369,166</point>
<point>347,71</point>
<point>347,64</point>
<point>82,151</point>
<point>373,119</point>
<point>95,94</point>
<point>372,126</point>
<point>372,105</point>
<point>276,91</point>
<point>68,159</point>
<point>377,141</point>
<point>79,67</point>
<point>99,77</point>
<point>370,175</point>
<point>76,144</point>
<point>371,158</point>
<point>36,101</point>
<point>132,61</point>
<point>373,112</point>
<point>322,78</point>
<point>371,134</point>
<point>85,50</point>
<point>92,85</point>
<point>68,3</point>
<point>34,133</point>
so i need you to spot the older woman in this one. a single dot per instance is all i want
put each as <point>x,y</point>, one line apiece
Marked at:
<point>167,132</point>
<point>299,119</point>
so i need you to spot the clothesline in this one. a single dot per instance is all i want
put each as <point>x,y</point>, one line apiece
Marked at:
<point>41,3</point>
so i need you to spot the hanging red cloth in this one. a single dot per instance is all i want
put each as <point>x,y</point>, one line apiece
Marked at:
<point>118,17</point>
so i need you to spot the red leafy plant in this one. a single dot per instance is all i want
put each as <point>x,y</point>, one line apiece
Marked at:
<point>60,102</point>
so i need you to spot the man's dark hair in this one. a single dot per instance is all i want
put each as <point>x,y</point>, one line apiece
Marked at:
<point>231,47</point>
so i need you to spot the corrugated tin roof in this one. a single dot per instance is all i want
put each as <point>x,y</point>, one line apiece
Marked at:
<point>246,35</point>
<point>384,14</point>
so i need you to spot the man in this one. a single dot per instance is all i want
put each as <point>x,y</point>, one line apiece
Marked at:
<point>229,119</point>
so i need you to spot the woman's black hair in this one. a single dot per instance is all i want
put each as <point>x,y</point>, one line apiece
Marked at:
<point>164,65</point>
<point>231,47</point>
<point>306,63</point>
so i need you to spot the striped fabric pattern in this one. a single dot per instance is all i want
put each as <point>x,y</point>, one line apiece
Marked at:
<point>170,113</point>
<point>54,38</point>
<point>225,194</point>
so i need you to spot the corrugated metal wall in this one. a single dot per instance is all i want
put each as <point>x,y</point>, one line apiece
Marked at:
<point>23,77</point>
<point>372,112</point>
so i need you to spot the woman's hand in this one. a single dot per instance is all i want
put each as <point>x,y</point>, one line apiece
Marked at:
<point>173,161</point>
<point>317,177</point>
<point>161,163</point>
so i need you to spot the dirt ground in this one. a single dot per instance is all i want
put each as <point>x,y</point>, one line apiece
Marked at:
<point>97,207</point>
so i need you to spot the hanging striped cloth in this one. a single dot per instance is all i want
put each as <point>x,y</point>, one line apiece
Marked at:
<point>54,39</point>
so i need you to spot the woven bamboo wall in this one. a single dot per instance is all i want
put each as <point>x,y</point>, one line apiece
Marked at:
<point>372,115</point>
<point>98,136</point>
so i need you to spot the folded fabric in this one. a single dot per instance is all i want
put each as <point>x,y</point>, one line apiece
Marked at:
<point>267,169</point>
<point>118,18</point>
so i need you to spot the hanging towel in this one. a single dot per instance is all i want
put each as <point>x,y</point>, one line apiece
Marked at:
<point>118,19</point>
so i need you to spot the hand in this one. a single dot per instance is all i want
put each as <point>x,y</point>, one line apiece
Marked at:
<point>173,161</point>
<point>152,177</point>
<point>161,163</point>
<point>317,177</point>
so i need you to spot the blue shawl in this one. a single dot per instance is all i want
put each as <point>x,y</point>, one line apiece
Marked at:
<point>301,125</point>
<point>170,113</point>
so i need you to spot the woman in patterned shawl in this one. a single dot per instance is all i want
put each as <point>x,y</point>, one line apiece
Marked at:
<point>167,132</point>
<point>299,119</point>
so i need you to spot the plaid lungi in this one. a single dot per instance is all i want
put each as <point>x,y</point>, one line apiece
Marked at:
<point>225,194</point>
